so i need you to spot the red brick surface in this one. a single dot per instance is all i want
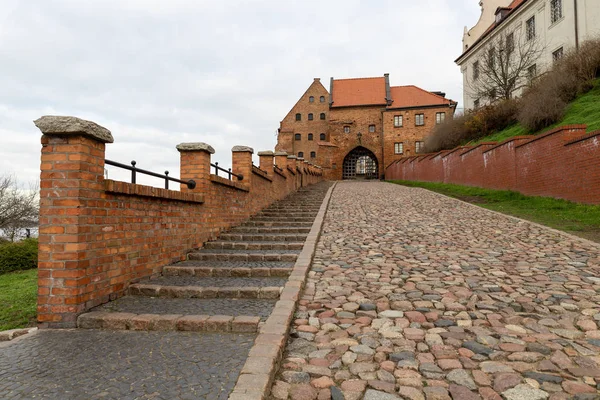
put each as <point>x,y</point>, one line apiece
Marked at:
<point>98,236</point>
<point>562,163</point>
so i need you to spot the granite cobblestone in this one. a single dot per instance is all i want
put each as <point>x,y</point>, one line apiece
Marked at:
<point>413,295</point>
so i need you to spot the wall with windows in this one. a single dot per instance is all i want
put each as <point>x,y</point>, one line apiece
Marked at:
<point>549,22</point>
<point>562,163</point>
<point>301,129</point>
<point>409,127</point>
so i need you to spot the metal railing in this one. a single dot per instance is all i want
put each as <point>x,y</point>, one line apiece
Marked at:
<point>276,168</point>
<point>134,170</point>
<point>227,171</point>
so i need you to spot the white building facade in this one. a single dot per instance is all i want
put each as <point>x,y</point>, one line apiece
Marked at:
<point>557,26</point>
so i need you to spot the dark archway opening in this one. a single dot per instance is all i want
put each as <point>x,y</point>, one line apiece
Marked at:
<point>360,163</point>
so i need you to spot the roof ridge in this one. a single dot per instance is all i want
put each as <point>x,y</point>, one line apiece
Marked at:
<point>421,89</point>
<point>354,79</point>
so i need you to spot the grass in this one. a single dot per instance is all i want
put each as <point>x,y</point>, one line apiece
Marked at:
<point>578,219</point>
<point>583,110</point>
<point>18,297</point>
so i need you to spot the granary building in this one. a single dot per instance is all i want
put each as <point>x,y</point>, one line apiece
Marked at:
<point>361,125</point>
<point>553,27</point>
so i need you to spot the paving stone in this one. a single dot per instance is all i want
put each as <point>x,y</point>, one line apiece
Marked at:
<point>525,392</point>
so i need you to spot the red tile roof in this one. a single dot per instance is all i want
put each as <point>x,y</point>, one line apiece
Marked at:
<point>358,92</point>
<point>412,96</point>
<point>511,7</point>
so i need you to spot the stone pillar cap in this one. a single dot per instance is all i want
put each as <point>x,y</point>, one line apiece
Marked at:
<point>197,146</point>
<point>281,153</point>
<point>242,149</point>
<point>300,159</point>
<point>54,125</point>
<point>266,153</point>
<point>291,157</point>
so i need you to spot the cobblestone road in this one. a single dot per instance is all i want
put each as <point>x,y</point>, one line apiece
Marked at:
<point>414,295</point>
<point>86,364</point>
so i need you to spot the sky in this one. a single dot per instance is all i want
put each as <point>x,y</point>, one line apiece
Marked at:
<point>157,73</point>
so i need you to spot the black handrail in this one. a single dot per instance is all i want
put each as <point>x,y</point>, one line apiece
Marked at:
<point>277,168</point>
<point>258,168</point>
<point>134,170</point>
<point>227,171</point>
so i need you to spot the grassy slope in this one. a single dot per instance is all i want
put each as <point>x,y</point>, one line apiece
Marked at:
<point>584,110</point>
<point>579,219</point>
<point>18,296</point>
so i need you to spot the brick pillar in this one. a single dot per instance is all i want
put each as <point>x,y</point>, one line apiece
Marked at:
<point>195,165</point>
<point>241,163</point>
<point>291,163</point>
<point>281,159</point>
<point>266,162</point>
<point>71,185</point>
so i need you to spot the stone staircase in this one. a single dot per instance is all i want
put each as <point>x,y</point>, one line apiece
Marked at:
<point>230,285</point>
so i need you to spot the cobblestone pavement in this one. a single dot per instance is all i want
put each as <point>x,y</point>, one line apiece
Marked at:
<point>414,295</point>
<point>86,365</point>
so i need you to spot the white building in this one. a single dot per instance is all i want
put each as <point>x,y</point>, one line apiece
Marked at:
<point>557,26</point>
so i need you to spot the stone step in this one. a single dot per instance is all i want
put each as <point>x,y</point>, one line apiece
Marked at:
<point>277,237</point>
<point>270,229</point>
<point>262,222</point>
<point>251,246</point>
<point>283,218</point>
<point>168,322</point>
<point>205,292</point>
<point>185,306</point>
<point>200,268</point>
<point>244,255</point>
<point>278,213</point>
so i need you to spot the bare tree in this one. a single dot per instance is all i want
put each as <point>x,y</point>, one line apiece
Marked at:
<point>507,65</point>
<point>19,207</point>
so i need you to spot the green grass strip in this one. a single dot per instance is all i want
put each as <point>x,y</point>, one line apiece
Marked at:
<point>578,219</point>
<point>18,298</point>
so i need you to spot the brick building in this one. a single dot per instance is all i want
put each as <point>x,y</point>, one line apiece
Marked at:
<point>361,125</point>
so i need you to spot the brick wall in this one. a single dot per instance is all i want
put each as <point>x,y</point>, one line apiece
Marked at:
<point>97,236</point>
<point>562,163</point>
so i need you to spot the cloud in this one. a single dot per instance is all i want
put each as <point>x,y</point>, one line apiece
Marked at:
<point>159,73</point>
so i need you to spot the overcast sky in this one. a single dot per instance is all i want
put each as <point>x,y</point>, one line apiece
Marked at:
<point>225,72</point>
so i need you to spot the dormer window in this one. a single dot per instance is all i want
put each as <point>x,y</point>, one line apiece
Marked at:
<point>498,17</point>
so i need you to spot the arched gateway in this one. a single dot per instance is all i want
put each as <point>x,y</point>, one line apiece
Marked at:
<point>360,163</point>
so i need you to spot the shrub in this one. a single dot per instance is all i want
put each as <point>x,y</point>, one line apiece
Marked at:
<point>18,256</point>
<point>545,102</point>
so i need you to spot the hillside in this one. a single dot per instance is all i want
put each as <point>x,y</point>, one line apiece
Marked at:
<point>584,110</point>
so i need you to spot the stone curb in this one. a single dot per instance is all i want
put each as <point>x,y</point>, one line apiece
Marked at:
<point>569,235</point>
<point>254,382</point>
<point>205,292</point>
<point>226,272</point>
<point>6,336</point>
<point>167,322</point>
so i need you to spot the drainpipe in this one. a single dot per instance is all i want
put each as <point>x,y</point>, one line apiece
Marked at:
<point>576,26</point>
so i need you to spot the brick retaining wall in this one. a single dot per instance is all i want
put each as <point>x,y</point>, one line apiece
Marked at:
<point>562,163</point>
<point>97,236</point>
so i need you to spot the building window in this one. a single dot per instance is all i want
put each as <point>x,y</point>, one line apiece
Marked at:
<point>298,117</point>
<point>532,72</point>
<point>322,136</point>
<point>298,136</point>
<point>300,154</point>
<point>311,99</point>
<point>510,42</point>
<point>313,154</point>
<point>476,103</point>
<point>420,119</point>
<point>346,129</point>
<point>397,121</point>
<point>476,70</point>
<point>440,118</point>
<point>310,136</point>
<point>322,99</point>
<point>419,146</point>
<point>371,128</point>
<point>322,116</point>
<point>557,54</point>
<point>530,28</point>
<point>556,11</point>
<point>310,117</point>
<point>398,148</point>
